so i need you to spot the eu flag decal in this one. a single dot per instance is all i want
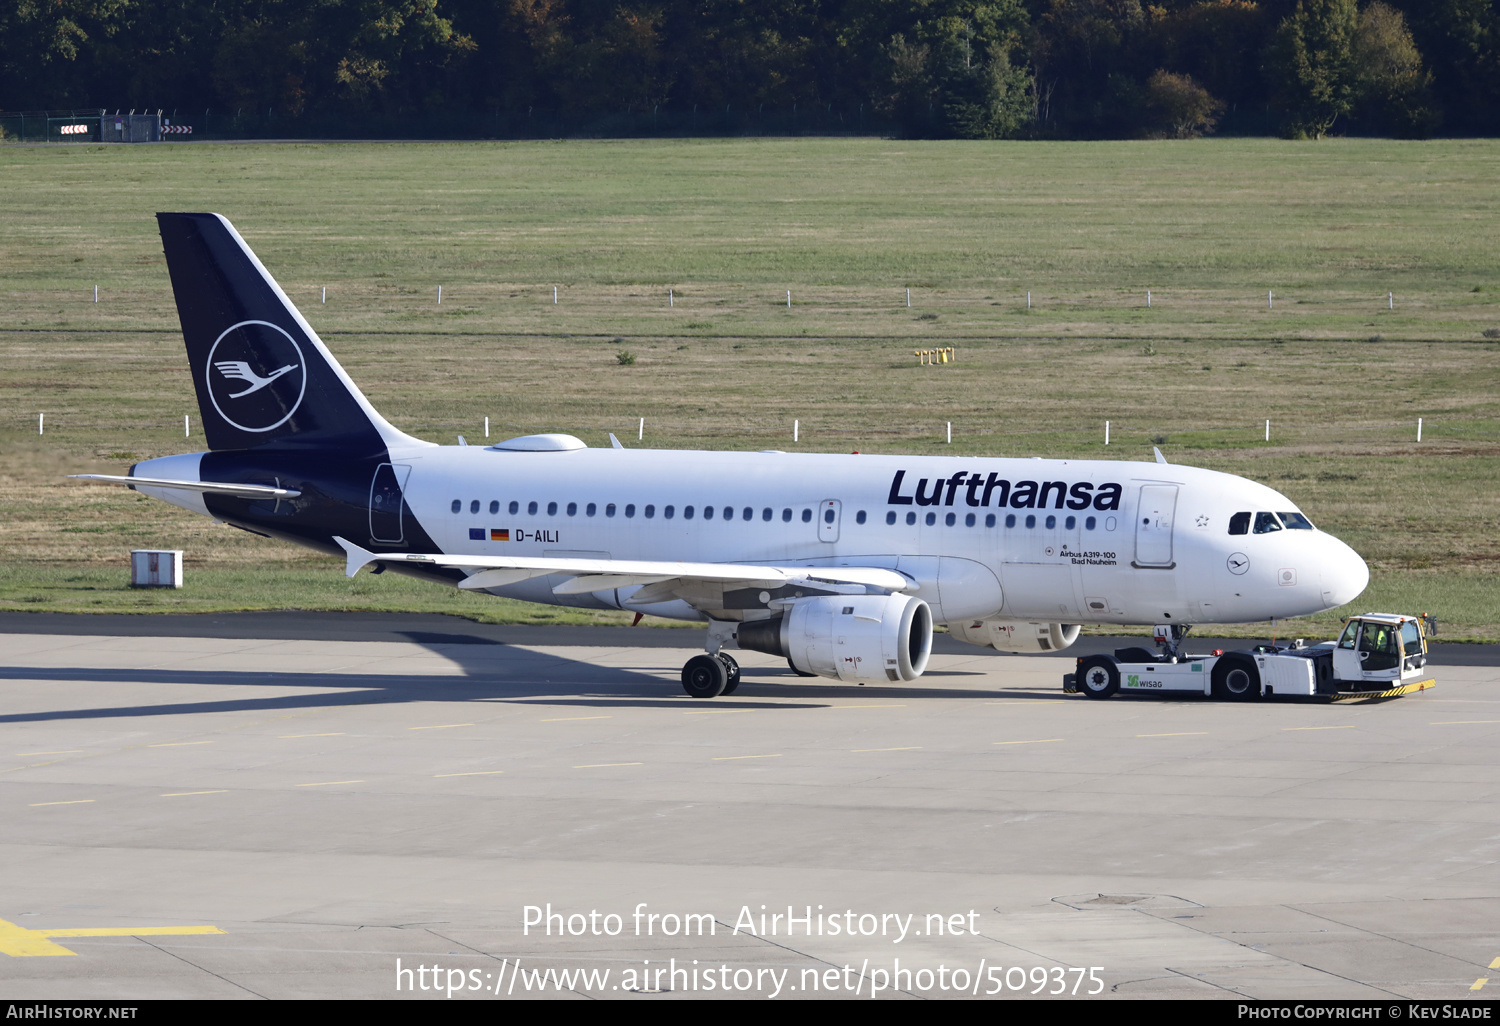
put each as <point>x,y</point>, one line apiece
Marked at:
<point>476,534</point>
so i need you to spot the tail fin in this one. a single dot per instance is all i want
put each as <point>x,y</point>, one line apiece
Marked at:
<point>262,374</point>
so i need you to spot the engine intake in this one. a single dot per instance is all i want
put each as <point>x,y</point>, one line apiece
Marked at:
<point>1016,636</point>
<point>848,637</point>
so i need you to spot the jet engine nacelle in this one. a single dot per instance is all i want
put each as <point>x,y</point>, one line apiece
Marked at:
<point>1016,636</point>
<point>848,637</point>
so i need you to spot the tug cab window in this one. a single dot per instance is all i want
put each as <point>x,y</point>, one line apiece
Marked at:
<point>1239,523</point>
<point>1378,641</point>
<point>1266,523</point>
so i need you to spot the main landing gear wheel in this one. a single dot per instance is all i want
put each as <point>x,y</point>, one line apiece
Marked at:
<point>1098,677</point>
<point>733,669</point>
<point>1236,680</point>
<point>705,676</point>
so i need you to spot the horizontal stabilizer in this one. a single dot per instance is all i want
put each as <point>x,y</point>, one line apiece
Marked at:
<point>243,491</point>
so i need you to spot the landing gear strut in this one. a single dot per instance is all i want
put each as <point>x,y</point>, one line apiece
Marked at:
<point>715,672</point>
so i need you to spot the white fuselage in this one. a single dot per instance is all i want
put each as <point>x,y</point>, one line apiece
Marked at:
<point>1155,549</point>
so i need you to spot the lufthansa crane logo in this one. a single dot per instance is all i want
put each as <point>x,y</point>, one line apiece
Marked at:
<point>256,376</point>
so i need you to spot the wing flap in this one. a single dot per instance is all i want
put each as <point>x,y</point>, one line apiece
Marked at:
<point>600,574</point>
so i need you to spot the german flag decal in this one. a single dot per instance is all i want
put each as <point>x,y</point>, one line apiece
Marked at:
<point>499,534</point>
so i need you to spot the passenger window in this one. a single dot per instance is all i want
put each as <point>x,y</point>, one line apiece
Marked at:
<point>649,511</point>
<point>572,509</point>
<point>589,510</point>
<point>931,519</point>
<point>1088,523</point>
<point>786,516</point>
<point>494,506</point>
<point>708,512</point>
<point>458,505</point>
<point>1296,522</point>
<point>969,520</point>
<point>1030,520</point>
<point>989,520</point>
<point>531,508</point>
<point>1010,520</point>
<point>911,518</point>
<point>949,519</point>
<point>807,516</point>
<point>552,509</point>
<point>474,506</point>
<point>668,512</point>
<point>1070,523</point>
<point>828,516</point>
<point>747,514</point>
<point>890,518</point>
<point>515,507</point>
<point>629,510</point>
<point>859,517</point>
<point>765,514</point>
<point>1239,523</point>
<point>1051,522</point>
<point>729,513</point>
<point>609,510</point>
<point>1266,523</point>
<point>687,513</point>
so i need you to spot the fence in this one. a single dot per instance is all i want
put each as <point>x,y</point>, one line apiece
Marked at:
<point>102,125</point>
<point>83,126</point>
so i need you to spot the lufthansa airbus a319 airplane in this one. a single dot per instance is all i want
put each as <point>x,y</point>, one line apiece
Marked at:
<point>842,564</point>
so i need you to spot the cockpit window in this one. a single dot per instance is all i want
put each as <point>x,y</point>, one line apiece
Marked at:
<point>1239,523</point>
<point>1296,522</point>
<point>1265,523</point>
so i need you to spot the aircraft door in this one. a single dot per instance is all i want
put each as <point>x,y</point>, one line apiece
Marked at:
<point>829,511</point>
<point>386,503</point>
<point>1153,526</point>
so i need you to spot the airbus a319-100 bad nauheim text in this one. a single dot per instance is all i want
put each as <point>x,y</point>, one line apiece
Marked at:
<point>841,564</point>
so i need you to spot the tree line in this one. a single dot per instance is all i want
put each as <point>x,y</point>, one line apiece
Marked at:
<point>923,68</point>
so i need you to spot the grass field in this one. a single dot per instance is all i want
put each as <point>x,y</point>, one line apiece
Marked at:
<point>1209,227</point>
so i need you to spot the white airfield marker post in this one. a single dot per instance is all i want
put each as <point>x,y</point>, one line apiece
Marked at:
<point>796,427</point>
<point>1419,429</point>
<point>186,432</point>
<point>640,433</point>
<point>1268,430</point>
<point>1106,432</point>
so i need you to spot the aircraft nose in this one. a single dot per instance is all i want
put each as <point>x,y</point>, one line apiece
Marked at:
<point>1343,573</point>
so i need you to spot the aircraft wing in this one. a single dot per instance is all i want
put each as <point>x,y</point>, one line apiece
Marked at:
<point>243,491</point>
<point>589,575</point>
